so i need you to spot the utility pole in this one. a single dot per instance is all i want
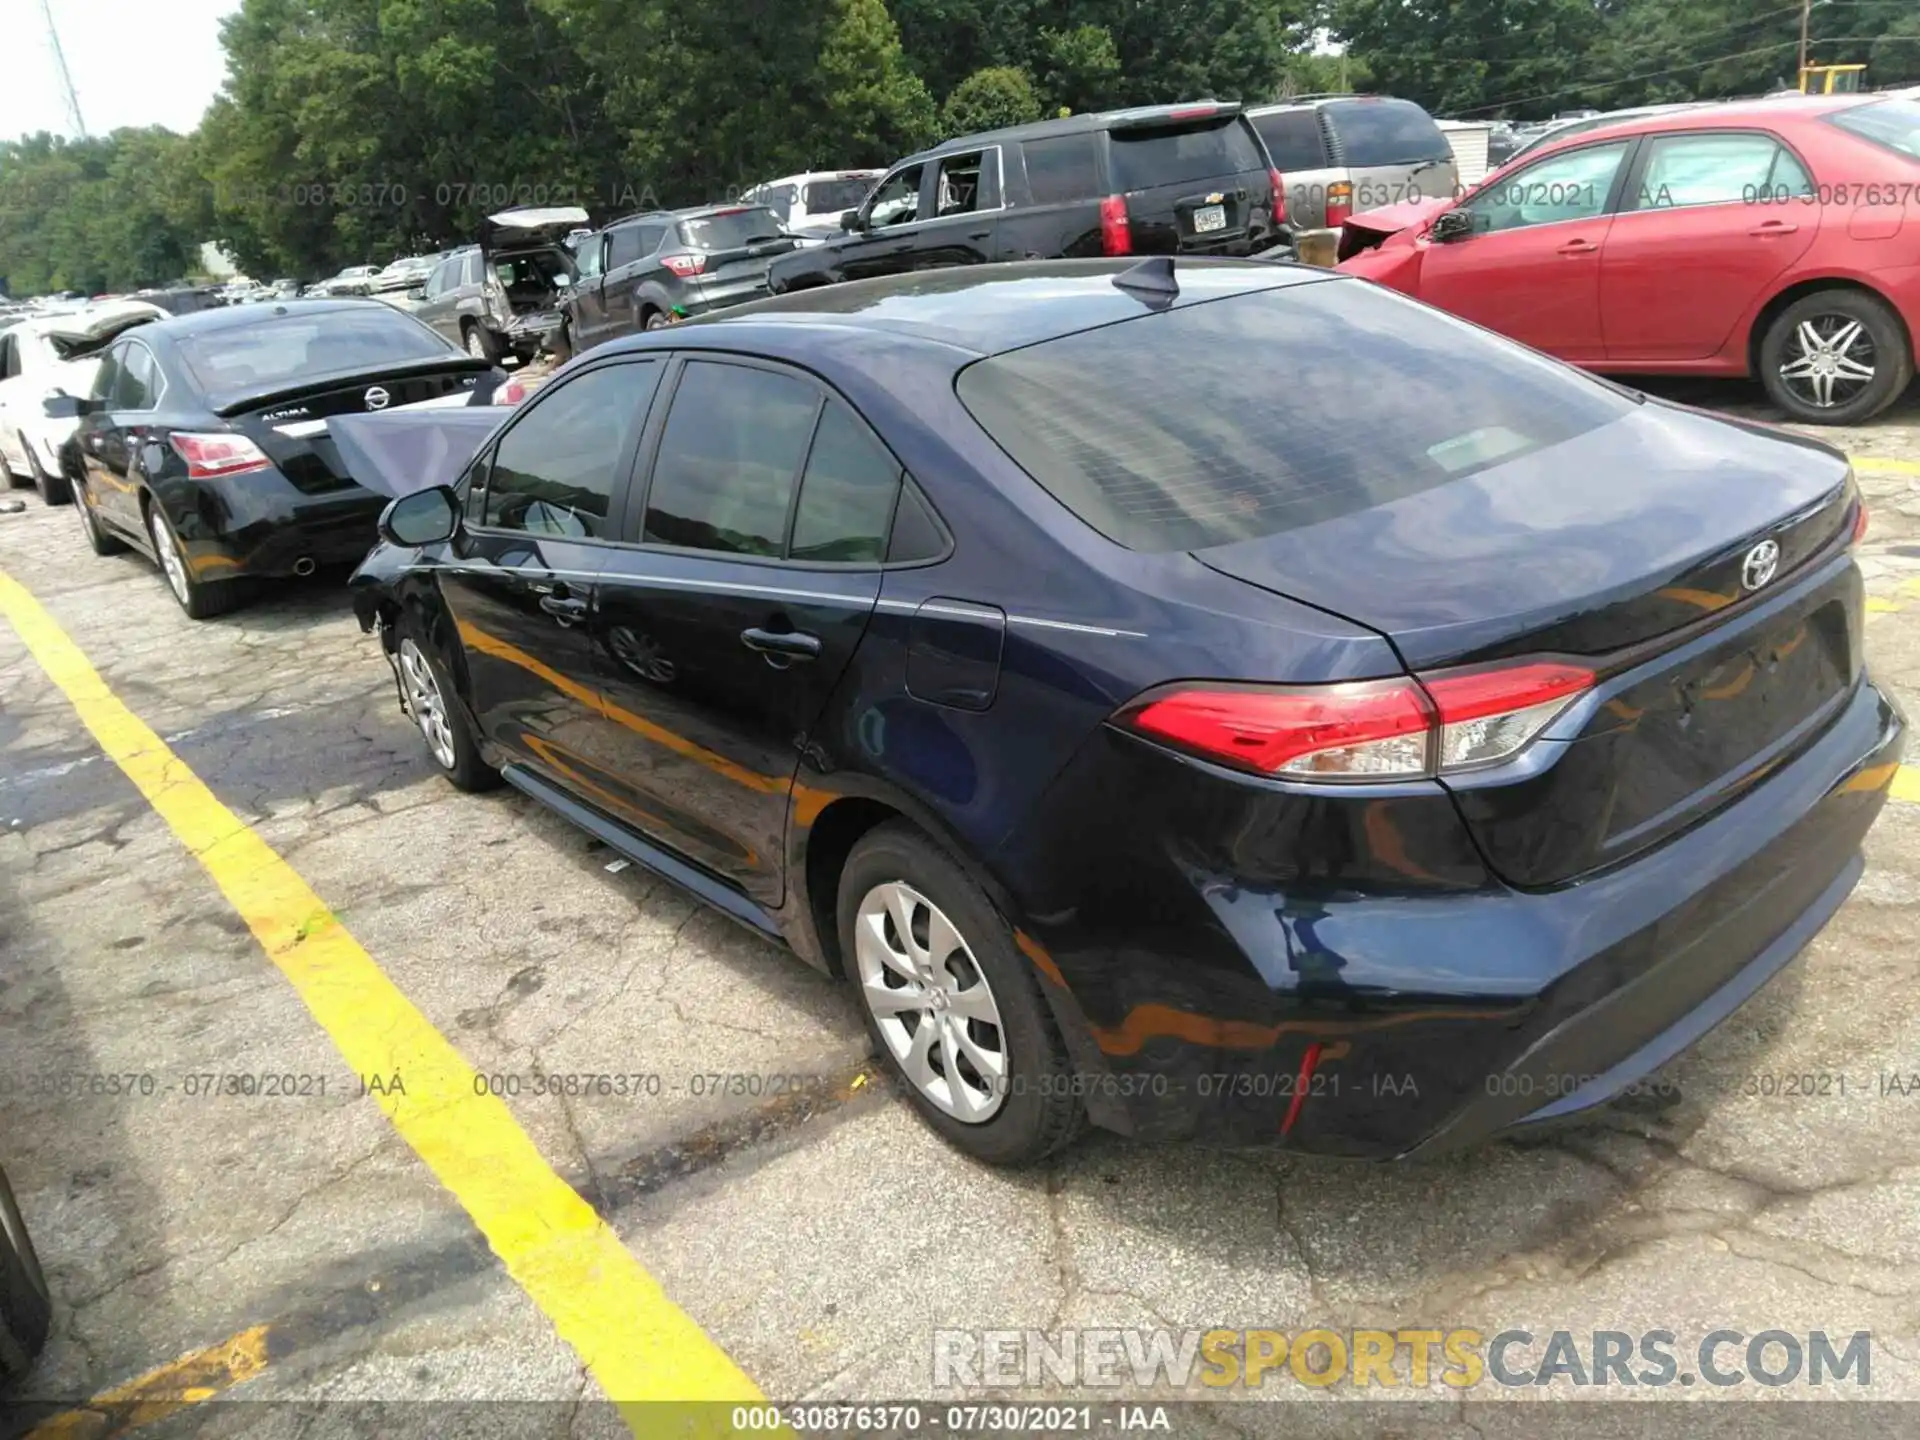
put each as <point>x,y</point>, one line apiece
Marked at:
<point>66,78</point>
<point>1806,13</point>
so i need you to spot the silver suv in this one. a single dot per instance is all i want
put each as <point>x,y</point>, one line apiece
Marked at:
<point>1341,154</point>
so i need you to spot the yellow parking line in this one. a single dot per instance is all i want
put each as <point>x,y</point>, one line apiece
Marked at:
<point>1906,784</point>
<point>636,1342</point>
<point>1886,467</point>
<point>159,1393</point>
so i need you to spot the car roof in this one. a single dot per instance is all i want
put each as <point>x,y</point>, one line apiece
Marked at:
<point>968,311</point>
<point>1708,116</point>
<point>1077,125</point>
<point>855,173</point>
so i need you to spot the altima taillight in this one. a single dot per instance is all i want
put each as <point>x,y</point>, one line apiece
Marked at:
<point>1397,729</point>
<point>210,456</point>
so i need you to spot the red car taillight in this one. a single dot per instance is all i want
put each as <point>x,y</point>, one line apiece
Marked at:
<point>1396,729</point>
<point>685,266</point>
<point>208,456</point>
<point>1116,235</point>
<point>512,392</point>
<point>1859,522</point>
<point>1339,203</point>
<point>1279,197</point>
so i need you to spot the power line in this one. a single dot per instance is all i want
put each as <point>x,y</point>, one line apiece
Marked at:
<point>1427,58</point>
<point>66,78</point>
<point>1625,79</point>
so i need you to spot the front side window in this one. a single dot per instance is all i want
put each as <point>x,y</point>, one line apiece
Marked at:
<point>897,201</point>
<point>558,469</point>
<point>587,258</point>
<point>1723,169</point>
<point>1573,186</point>
<point>729,458</point>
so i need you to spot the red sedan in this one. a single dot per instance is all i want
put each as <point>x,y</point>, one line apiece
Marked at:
<point>1777,238</point>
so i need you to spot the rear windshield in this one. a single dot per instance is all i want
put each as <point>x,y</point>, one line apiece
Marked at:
<point>1293,139</point>
<point>1235,419</point>
<point>730,229</point>
<point>835,196</point>
<point>1179,155</point>
<point>1892,123</point>
<point>286,348</point>
<point>1386,132</point>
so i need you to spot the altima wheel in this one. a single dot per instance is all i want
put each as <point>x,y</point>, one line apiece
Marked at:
<point>952,1005</point>
<point>424,700</point>
<point>1835,357</point>
<point>201,599</point>
<point>172,564</point>
<point>930,1001</point>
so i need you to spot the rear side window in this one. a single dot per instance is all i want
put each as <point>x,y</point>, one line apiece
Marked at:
<point>1385,132</point>
<point>555,472</point>
<point>1180,155</point>
<point>1715,170</point>
<point>729,458</point>
<point>846,499</point>
<point>1063,168</point>
<point>629,243</point>
<point>1209,424</point>
<point>138,387</point>
<point>1892,124</point>
<point>1293,139</point>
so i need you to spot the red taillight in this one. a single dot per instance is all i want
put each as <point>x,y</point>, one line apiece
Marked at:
<point>1279,197</point>
<point>1193,112</point>
<point>1859,522</point>
<point>1339,202</point>
<point>1366,730</point>
<point>512,392</point>
<point>208,456</point>
<point>1116,235</point>
<point>685,266</point>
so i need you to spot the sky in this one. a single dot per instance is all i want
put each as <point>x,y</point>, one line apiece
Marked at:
<point>134,62</point>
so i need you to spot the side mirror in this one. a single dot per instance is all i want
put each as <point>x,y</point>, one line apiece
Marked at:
<point>422,518</point>
<point>62,406</point>
<point>850,220</point>
<point>563,282</point>
<point>1451,225</point>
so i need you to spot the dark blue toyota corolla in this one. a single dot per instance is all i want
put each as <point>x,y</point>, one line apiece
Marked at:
<point>1211,700</point>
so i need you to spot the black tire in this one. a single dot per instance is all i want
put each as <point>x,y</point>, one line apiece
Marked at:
<point>101,540</point>
<point>461,764</point>
<point>201,599</point>
<point>1888,351</point>
<point>1039,1113</point>
<point>26,1305</point>
<point>480,341</point>
<point>54,489</point>
<point>652,319</point>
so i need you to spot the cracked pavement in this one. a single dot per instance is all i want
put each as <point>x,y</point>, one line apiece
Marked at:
<point>820,1240</point>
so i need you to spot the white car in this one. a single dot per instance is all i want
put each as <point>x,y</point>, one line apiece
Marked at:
<point>811,205</point>
<point>45,356</point>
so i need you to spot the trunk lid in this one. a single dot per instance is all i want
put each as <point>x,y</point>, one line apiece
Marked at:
<point>292,426</point>
<point>1641,546</point>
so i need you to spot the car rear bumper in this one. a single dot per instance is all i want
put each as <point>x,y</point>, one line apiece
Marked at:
<point>259,524</point>
<point>1375,1024</point>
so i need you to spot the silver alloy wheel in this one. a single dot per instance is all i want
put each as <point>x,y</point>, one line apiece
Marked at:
<point>656,321</point>
<point>1829,360</point>
<point>428,706</point>
<point>476,347</point>
<point>931,1002</point>
<point>171,563</point>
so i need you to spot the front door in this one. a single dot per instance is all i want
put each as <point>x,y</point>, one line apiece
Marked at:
<point>519,583</point>
<point>888,242</point>
<point>1531,266</point>
<point>727,625</point>
<point>1713,219</point>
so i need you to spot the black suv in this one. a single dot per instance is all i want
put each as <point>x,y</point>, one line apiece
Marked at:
<point>1158,180</point>
<point>643,271</point>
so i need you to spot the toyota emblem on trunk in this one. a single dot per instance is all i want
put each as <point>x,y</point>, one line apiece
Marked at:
<point>1762,560</point>
<point>377,398</point>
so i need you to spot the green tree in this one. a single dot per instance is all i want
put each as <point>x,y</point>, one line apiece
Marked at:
<point>1080,69</point>
<point>990,100</point>
<point>871,101</point>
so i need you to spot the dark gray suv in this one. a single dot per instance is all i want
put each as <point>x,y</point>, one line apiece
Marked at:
<point>645,271</point>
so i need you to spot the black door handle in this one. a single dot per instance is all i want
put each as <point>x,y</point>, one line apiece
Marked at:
<point>564,608</point>
<point>782,644</point>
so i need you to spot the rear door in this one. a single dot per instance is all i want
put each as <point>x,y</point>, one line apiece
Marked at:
<point>1531,267</point>
<point>726,624</point>
<point>1197,184</point>
<point>1708,222</point>
<point>520,580</point>
<point>633,263</point>
<point>1054,188</point>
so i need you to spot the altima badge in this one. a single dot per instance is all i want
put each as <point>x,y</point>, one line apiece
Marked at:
<point>377,398</point>
<point>1762,560</point>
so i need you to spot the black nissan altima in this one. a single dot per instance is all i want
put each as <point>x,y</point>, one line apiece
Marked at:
<point>203,443</point>
<point>1206,698</point>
